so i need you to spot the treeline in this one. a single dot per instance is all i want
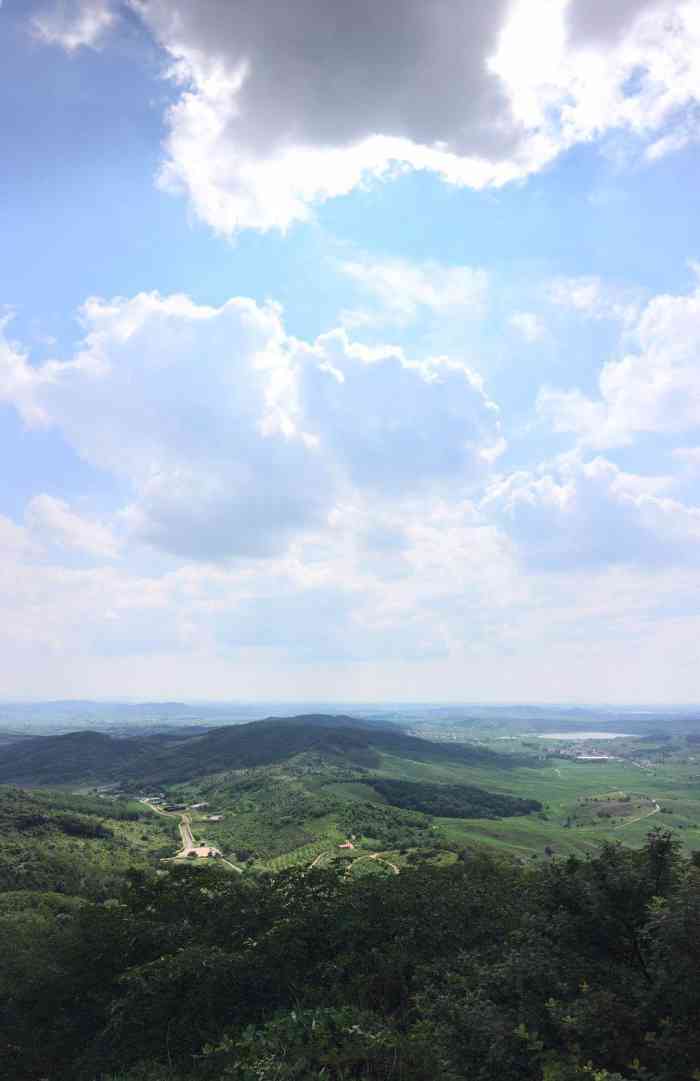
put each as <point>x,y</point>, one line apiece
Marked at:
<point>105,806</point>
<point>16,800</point>
<point>579,970</point>
<point>72,825</point>
<point>452,800</point>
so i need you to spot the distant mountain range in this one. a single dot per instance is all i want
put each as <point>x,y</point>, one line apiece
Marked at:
<point>430,720</point>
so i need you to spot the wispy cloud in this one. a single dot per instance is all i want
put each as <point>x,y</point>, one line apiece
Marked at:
<point>402,291</point>
<point>74,24</point>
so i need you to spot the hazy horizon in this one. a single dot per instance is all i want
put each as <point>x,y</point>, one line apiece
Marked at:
<point>515,703</point>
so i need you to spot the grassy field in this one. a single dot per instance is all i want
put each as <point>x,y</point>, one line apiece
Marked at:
<point>562,786</point>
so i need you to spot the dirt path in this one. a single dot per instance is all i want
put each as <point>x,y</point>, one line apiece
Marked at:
<point>380,859</point>
<point>365,856</point>
<point>185,828</point>
<point>639,818</point>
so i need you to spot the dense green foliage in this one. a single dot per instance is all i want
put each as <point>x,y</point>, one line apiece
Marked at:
<point>388,827</point>
<point>270,816</point>
<point>76,844</point>
<point>571,971</point>
<point>77,756</point>
<point>452,800</point>
<point>413,955</point>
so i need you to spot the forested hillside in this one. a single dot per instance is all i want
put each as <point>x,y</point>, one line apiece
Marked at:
<point>80,845</point>
<point>91,756</point>
<point>483,971</point>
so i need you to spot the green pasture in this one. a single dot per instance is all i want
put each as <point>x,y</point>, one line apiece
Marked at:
<point>558,784</point>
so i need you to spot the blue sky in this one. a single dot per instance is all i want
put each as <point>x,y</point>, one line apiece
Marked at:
<point>346,359</point>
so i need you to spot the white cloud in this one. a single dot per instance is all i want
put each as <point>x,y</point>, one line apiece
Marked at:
<point>671,143</point>
<point>689,456</point>
<point>53,521</point>
<point>284,106</point>
<point>655,389</point>
<point>73,24</point>
<point>17,377</point>
<point>394,425</point>
<point>14,540</point>
<point>68,613</point>
<point>463,620</point>
<point>194,407</point>
<point>578,515</point>
<point>581,293</point>
<point>233,436</point>
<point>577,70</point>
<point>590,296</point>
<point>404,290</point>
<point>597,23</point>
<point>528,325</point>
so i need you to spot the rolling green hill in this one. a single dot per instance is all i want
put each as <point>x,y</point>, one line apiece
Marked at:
<point>82,757</point>
<point>74,757</point>
<point>290,789</point>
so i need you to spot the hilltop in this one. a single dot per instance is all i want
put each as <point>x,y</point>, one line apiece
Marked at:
<point>80,757</point>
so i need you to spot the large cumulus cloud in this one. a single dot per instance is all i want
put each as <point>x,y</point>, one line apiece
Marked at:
<point>284,105</point>
<point>325,74</point>
<point>232,437</point>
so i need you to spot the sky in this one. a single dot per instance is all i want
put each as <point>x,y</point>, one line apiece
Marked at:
<point>350,351</point>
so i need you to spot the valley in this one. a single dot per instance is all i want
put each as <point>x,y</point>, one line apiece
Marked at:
<point>346,896</point>
<point>282,792</point>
